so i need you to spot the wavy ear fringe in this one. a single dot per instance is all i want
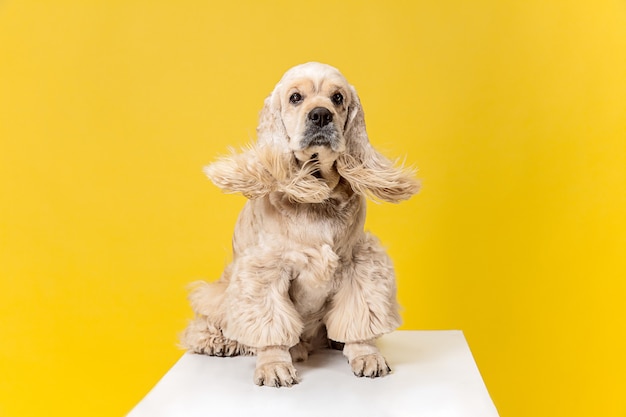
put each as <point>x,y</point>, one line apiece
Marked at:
<point>378,178</point>
<point>260,170</point>
<point>367,171</point>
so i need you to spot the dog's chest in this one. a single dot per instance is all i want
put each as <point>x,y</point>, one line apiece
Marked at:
<point>308,294</point>
<point>310,241</point>
<point>319,238</point>
<point>335,222</point>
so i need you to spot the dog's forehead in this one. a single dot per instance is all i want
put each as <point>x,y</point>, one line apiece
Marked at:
<point>319,74</point>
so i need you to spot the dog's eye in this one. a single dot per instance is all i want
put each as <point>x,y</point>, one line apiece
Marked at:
<point>337,98</point>
<point>295,98</point>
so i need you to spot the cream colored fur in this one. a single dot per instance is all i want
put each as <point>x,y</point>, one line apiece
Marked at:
<point>304,272</point>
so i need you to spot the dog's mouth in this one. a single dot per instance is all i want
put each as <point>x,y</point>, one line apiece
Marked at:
<point>326,136</point>
<point>321,140</point>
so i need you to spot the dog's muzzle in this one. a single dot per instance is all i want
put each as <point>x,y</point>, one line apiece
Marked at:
<point>320,130</point>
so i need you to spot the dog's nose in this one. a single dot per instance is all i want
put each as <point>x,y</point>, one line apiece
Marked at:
<point>320,116</point>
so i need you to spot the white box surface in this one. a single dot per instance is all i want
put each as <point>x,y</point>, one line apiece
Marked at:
<point>434,375</point>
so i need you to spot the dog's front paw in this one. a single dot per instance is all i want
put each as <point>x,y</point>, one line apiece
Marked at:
<point>276,374</point>
<point>372,365</point>
<point>204,338</point>
<point>221,346</point>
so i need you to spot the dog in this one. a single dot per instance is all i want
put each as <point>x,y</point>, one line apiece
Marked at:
<point>304,274</point>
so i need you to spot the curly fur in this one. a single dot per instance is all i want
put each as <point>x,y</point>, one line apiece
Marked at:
<point>304,273</point>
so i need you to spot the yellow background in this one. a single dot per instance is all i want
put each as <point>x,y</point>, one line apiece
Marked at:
<point>514,111</point>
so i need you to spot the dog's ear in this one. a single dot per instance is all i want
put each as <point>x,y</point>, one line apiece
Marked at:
<point>260,170</point>
<point>354,131</point>
<point>368,171</point>
<point>271,130</point>
<point>268,166</point>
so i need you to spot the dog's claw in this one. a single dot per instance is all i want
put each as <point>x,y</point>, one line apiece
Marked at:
<point>277,374</point>
<point>371,366</point>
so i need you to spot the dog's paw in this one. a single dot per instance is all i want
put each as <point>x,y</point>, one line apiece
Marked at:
<point>209,340</point>
<point>221,346</point>
<point>218,346</point>
<point>372,365</point>
<point>276,374</point>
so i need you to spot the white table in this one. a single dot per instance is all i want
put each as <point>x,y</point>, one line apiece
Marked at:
<point>434,375</point>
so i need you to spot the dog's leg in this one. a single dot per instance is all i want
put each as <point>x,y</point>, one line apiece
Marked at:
<point>365,359</point>
<point>299,352</point>
<point>259,311</point>
<point>204,333</point>
<point>274,367</point>
<point>313,338</point>
<point>364,307</point>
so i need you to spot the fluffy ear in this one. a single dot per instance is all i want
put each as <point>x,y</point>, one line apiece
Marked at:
<point>367,171</point>
<point>271,130</point>
<point>268,166</point>
<point>260,170</point>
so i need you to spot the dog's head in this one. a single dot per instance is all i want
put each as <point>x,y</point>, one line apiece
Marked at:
<point>314,100</point>
<point>309,113</point>
<point>313,123</point>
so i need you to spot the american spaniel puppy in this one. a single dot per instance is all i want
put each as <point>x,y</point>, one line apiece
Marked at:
<point>304,273</point>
